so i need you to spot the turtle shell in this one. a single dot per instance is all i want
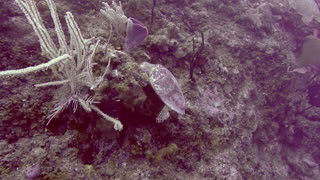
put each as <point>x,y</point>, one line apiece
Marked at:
<point>167,87</point>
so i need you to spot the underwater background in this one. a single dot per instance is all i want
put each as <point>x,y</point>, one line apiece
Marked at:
<point>159,89</point>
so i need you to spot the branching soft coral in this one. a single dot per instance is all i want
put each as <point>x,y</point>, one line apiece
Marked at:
<point>72,63</point>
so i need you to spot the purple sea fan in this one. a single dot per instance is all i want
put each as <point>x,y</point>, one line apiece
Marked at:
<point>136,33</point>
<point>166,86</point>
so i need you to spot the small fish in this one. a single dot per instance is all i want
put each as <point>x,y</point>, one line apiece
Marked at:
<point>118,48</point>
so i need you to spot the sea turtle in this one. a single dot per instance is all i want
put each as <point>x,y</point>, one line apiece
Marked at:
<point>166,87</point>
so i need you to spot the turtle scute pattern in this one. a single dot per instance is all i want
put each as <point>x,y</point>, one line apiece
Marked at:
<point>167,88</point>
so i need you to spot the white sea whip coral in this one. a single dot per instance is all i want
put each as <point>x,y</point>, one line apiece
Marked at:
<point>70,63</point>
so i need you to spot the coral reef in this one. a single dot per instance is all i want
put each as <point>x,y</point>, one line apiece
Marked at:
<point>248,113</point>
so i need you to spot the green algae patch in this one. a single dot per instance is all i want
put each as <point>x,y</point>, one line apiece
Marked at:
<point>165,152</point>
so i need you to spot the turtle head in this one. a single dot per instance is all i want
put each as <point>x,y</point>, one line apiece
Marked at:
<point>146,67</point>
